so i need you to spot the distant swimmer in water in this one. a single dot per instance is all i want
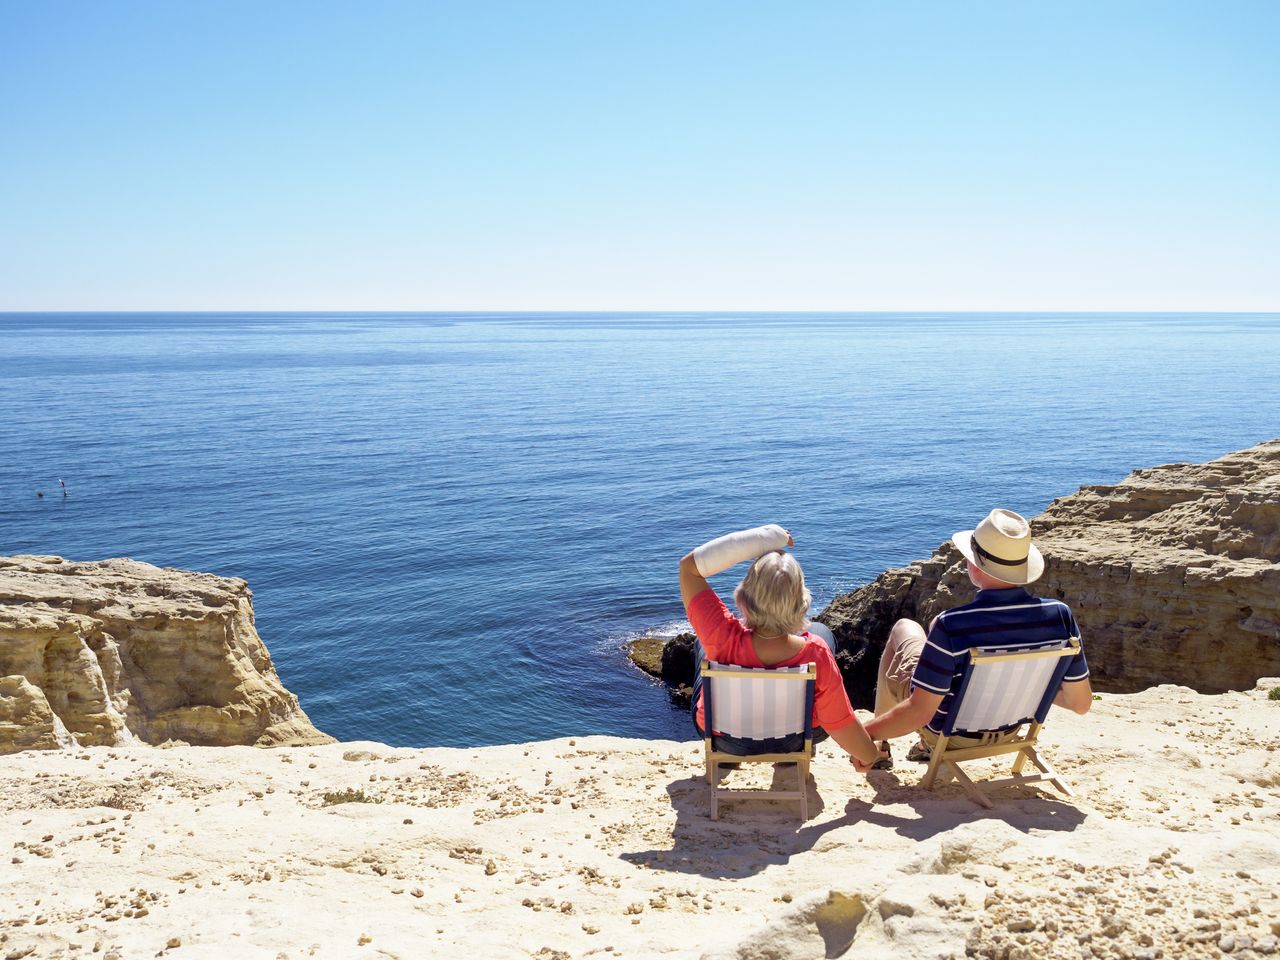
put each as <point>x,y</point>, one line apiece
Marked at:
<point>63,484</point>
<point>39,493</point>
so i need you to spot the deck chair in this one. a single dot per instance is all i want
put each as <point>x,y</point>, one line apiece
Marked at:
<point>758,704</point>
<point>1002,690</point>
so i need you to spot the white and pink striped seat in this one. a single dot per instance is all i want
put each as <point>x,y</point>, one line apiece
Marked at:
<point>752,705</point>
<point>764,705</point>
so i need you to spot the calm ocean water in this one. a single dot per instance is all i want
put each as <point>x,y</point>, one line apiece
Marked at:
<point>451,523</point>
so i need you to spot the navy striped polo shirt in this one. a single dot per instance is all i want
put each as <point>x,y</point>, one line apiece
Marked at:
<point>1006,619</point>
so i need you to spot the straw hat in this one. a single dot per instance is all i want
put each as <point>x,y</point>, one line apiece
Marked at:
<point>1001,546</point>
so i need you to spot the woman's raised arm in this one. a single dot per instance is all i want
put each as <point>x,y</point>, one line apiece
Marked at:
<point>692,582</point>
<point>724,552</point>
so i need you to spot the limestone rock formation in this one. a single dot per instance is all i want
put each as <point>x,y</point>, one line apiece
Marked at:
<point>108,652</point>
<point>1173,573</point>
<point>26,720</point>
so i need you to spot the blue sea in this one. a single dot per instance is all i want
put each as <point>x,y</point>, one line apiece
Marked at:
<point>452,523</point>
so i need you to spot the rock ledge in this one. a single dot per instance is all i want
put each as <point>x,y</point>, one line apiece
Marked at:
<point>116,651</point>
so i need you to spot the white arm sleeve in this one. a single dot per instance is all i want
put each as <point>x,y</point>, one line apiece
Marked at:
<point>724,552</point>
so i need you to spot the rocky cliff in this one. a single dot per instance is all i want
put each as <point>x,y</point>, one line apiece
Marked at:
<point>115,651</point>
<point>1173,573</point>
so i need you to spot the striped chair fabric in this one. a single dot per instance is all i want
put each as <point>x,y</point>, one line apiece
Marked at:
<point>1004,694</point>
<point>755,707</point>
<point>751,703</point>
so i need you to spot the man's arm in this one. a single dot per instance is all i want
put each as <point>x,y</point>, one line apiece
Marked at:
<point>910,715</point>
<point>1076,696</point>
<point>853,739</point>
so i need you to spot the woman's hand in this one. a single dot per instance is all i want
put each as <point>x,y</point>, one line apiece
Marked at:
<point>866,767</point>
<point>853,739</point>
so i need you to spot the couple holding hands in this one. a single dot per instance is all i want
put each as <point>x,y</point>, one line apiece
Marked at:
<point>919,673</point>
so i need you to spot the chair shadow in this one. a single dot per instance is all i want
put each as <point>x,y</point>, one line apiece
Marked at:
<point>752,835</point>
<point>947,806</point>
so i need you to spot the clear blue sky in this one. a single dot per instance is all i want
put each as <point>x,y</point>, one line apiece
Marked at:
<point>685,155</point>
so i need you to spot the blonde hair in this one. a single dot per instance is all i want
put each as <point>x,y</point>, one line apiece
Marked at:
<point>772,596</point>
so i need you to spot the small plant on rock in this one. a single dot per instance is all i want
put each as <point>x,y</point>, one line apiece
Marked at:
<point>1274,694</point>
<point>348,796</point>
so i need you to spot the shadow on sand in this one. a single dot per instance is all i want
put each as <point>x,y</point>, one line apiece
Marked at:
<point>752,835</point>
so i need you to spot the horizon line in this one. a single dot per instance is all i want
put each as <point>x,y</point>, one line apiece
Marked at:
<point>634,311</point>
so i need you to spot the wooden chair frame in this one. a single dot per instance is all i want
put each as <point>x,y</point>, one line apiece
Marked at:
<point>945,760</point>
<point>800,758</point>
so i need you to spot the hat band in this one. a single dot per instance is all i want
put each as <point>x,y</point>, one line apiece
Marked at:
<point>977,548</point>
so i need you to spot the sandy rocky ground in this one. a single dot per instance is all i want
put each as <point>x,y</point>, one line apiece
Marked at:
<point>601,847</point>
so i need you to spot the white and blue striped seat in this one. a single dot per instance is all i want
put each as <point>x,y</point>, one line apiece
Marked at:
<point>1005,692</point>
<point>1001,691</point>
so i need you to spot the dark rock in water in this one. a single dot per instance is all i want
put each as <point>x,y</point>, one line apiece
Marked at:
<point>671,661</point>
<point>646,653</point>
<point>859,673</point>
<point>678,666</point>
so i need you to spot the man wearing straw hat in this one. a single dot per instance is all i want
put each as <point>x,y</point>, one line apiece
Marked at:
<point>919,674</point>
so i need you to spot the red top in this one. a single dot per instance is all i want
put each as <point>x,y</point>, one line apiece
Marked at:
<point>726,640</point>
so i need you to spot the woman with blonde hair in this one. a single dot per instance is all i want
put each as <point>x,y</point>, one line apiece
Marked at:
<point>774,604</point>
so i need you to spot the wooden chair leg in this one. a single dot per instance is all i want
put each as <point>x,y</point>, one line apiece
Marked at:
<point>1039,763</point>
<point>970,787</point>
<point>1019,762</point>
<point>1028,753</point>
<point>1051,775</point>
<point>802,772</point>
<point>935,761</point>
